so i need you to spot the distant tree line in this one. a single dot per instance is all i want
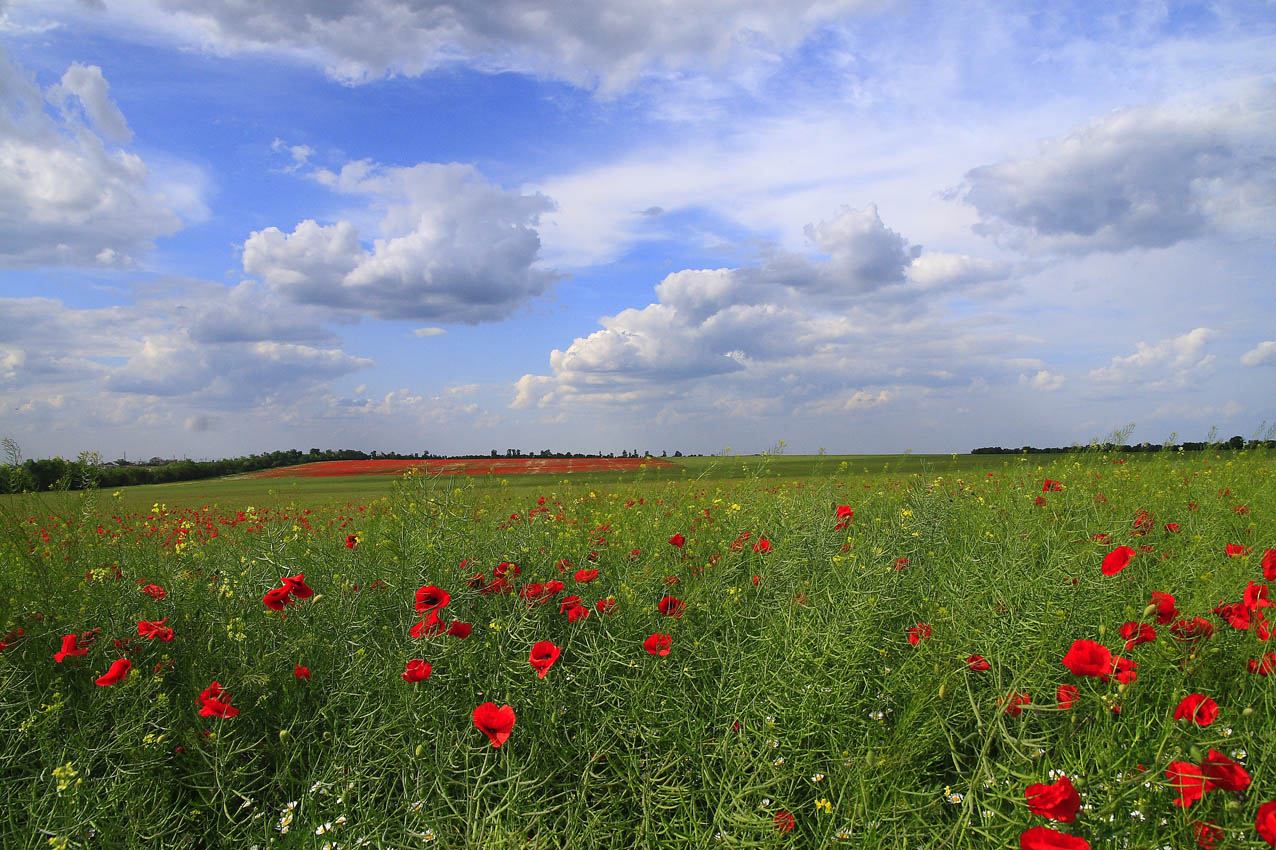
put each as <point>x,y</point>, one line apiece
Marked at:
<point>1237,443</point>
<point>57,473</point>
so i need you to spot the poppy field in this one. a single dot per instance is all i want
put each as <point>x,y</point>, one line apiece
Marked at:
<point>1068,654</point>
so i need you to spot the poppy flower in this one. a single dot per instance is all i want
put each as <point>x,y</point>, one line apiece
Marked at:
<point>297,586</point>
<point>677,540</point>
<point>658,644</point>
<point>1197,708</point>
<point>1044,838</point>
<point>459,629</point>
<point>784,821</point>
<point>212,704</point>
<point>1066,695</point>
<point>1237,615</point>
<point>900,563</point>
<point>1224,772</point>
<point>1265,822</point>
<point>567,603</point>
<point>977,663</point>
<point>495,723</point>
<point>1123,670</point>
<point>553,587</point>
<point>544,654</point>
<point>119,669</point>
<point>70,647</point>
<point>1137,633</point>
<point>429,626</point>
<point>1172,527</point>
<point>1192,630</point>
<point>671,606</point>
<point>351,541</point>
<point>1058,801</point>
<point>301,672</point>
<point>763,545</point>
<point>1117,560</point>
<point>1015,703</point>
<point>577,613</point>
<point>155,591</point>
<point>505,568</point>
<point>918,633</point>
<point>1236,550</point>
<point>1163,603</point>
<point>1269,564</point>
<point>430,597</point>
<point>845,512</point>
<point>1264,665</point>
<point>1051,485</point>
<point>1189,780</point>
<point>1040,501</point>
<point>1088,658</point>
<point>11,638</point>
<point>276,598</point>
<point>583,576</point>
<point>1207,834</point>
<point>1256,596</point>
<point>156,629</point>
<point>416,670</point>
<point>605,606</point>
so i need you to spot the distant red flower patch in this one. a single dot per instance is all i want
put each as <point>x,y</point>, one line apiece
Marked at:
<point>900,563</point>
<point>1192,630</point>
<point>351,541</point>
<point>605,606</point>
<point>1050,485</point>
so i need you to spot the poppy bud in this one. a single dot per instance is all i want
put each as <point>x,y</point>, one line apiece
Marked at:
<point>1121,688</point>
<point>420,750</point>
<point>1103,630</point>
<point>283,734</point>
<point>1149,611</point>
<point>1247,711</point>
<point>943,690</point>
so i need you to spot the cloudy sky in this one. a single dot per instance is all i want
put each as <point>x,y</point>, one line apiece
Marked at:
<point>860,225</point>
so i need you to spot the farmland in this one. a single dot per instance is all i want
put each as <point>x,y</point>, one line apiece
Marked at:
<point>762,652</point>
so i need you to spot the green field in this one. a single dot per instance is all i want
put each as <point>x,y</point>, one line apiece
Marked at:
<point>791,710</point>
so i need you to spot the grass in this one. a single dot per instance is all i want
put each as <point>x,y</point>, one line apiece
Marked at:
<point>797,693</point>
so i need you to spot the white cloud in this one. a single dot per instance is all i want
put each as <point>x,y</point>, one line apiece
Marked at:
<point>452,247</point>
<point>66,196</point>
<point>422,333</point>
<point>1172,362</point>
<point>1042,380</point>
<point>1142,177</point>
<point>1261,354</point>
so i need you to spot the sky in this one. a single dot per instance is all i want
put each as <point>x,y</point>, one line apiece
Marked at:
<point>858,226</point>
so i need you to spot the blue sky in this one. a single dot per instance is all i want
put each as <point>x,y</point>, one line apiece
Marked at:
<point>858,226</point>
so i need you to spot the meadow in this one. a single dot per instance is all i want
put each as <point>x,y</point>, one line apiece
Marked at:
<point>1059,651</point>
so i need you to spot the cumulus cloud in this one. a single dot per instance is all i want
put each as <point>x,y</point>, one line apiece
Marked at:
<point>1261,354</point>
<point>604,45</point>
<point>1142,177</point>
<point>1172,362</point>
<point>847,324</point>
<point>67,195</point>
<point>452,247</point>
<point>1042,380</point>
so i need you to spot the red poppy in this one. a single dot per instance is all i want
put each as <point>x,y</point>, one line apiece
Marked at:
<point>430,597</point>
<point>918,633</point>
<point>1192,630</point>
<point>567,603</point>
<point>1137,633</point>
<point>678,540</point>
<point>1051,485</point>
<point>301,672</point>
<point>1165,610</point>
<point>1256,596</point>
<point>1237,615</point>
<point>845,512</point>
<point>297,586</point>
<point>1207,834</point>
<point>429,626</point>
<point>1088,658</point>
<point>1236,550</point>
<point>1044,838</point>
<point>71,646</point>
<point>658,644</point>
<point>1066,695</point>
<point>977,663</point>
<point>155,591</point>
<point>583,576</point>
<point>11,638</point>
<point>459,629</point>
<point>1117,560</point>
<point>115,675</point>
<point>605,606</point>
<point>1040,501</point>
<point>503,569</point>
<point>495,723</point>
<point>351,541</point>
<point>1058,801</point>
<point>900,563</point>
<point>212,704</point>
<point>577,613</point>
<point>1189,780</point>
<point>1172,527</point>
<point>1224,772</point>
<point>1123,670</point>
<point>1264,665</point>
<point>544,654</point>
<point>1269,564</point>
<point>671,606</point>
<point>416,671</point>
<point>1265,822</point>
<point>763,545</point>
<point>553,587</point>
<point>1015,703</point>
<point>784,821</point>
<point>154,629</point>
<point>276,598</point>
<point>1102,537</point>
<point>1198,708</point>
